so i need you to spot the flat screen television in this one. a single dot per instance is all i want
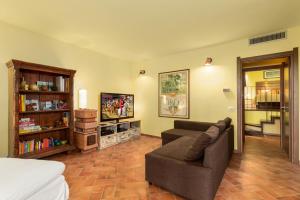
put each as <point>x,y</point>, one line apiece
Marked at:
<point>114,106</point>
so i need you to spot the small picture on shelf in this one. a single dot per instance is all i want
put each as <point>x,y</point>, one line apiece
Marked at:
<point>32,105</point>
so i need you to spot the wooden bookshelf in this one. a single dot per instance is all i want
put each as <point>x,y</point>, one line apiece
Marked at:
<point>33,73</point>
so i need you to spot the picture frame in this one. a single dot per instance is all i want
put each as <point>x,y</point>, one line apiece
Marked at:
<point>269,74</point>
<point>174,94</point>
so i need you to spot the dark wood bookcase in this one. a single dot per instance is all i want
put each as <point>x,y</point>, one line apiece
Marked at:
<point>47,119</point>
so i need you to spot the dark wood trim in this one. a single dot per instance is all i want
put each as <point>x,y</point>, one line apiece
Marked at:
<point>45,68</point>
<point>295,108</point>
<point>189,103</point>
<point>294,105</point>
<point>281,105</point>
<point>249,69</point>
<point>239,105</point>
<point>266,57</point>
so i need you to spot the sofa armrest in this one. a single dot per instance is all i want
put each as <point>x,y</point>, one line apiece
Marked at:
<point>216,157</point>
<point>192,125</point>
<point>189,180</point>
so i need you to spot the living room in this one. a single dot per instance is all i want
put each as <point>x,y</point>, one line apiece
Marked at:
<point>122,48</point>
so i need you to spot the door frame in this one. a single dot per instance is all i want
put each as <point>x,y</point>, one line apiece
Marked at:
<point>294,99</point>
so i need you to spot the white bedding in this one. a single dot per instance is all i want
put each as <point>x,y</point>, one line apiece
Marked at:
<point>22,179</point>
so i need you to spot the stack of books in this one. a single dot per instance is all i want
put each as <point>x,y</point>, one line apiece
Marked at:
<point>62,84</point>
<point>35,145</point>
<point>27,125</point>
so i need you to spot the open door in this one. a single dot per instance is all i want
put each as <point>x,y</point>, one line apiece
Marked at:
<point>285,104</point>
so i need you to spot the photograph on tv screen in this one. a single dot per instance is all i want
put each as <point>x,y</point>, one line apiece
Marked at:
<point>114,106</point>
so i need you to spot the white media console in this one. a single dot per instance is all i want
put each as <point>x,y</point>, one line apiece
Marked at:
<point>110,133</point>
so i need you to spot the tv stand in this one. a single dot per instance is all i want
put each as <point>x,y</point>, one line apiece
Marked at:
<point>112,133</point>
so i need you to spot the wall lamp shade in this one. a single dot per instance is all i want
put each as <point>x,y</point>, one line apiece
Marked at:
<point>208,61</point>
<point>82,98</point>
<point>142,72</point>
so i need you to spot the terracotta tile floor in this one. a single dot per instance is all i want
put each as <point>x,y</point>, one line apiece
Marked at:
<point>263,172</point>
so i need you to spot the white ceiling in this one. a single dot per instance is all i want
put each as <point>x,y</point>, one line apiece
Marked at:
<point>143,29</point>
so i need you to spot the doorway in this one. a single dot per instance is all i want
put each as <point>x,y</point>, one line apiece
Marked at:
<point>268,100</point>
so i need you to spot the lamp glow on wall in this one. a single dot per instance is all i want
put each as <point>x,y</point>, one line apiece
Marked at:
<point>82,98</point>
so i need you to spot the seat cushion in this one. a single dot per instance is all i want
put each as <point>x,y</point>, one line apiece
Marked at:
<point>179,149</point>
<point>173,134</point>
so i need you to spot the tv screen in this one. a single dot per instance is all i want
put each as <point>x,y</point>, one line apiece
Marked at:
<point>116,106</point>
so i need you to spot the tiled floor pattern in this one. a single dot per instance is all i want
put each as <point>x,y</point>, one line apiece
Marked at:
<point>117,173</point>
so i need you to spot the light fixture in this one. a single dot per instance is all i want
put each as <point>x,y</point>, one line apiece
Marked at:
<point>142,72</point>
<point>208,61</point>
<point>82,98</point>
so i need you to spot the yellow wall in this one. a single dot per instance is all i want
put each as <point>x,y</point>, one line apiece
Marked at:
<point>95,72</point>
<point>208,102</point>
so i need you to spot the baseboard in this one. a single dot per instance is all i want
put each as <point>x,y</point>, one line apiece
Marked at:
<point>154,136</point>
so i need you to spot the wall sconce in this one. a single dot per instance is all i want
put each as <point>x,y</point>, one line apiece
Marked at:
<point>82,98</point>
<point>208,61</point>
<point>226,90</point>
<point>142,72</point>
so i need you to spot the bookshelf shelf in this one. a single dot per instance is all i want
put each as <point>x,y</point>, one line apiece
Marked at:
<point>45,111</point>
<point>47,152</point>
<point>22,76</point>
<point>44,131</point>
<point>41,92</point>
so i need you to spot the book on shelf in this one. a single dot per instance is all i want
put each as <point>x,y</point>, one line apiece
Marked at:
<point>60,83</point>
<point>22,103</point>
<point>67,85</point>
<point>27,125</point>
<point>35,145</point>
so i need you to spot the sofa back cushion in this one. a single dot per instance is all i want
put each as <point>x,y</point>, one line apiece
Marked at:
<point>227,121</point>
<point>195,150</point>
<point>221,125</point>
<point>213,132</point>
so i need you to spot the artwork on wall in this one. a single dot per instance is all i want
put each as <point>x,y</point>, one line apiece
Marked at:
<point>274,73</point>
<point>174,94</point>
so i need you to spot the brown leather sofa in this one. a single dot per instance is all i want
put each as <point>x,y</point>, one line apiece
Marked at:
<point>195,180</point>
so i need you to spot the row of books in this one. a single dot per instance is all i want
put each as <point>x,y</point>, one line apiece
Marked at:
<point>27,125</point>
<point>35,145</point>
<point>62,84</point>
<point>36,105</point>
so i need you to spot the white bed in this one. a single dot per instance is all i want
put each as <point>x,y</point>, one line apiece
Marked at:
<point>22,179</point>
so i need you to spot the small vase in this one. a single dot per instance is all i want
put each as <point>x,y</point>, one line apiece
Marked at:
<point>23,84</point>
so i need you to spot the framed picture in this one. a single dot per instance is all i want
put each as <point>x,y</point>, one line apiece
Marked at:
<point>174,94</point>
<point>274,73</point>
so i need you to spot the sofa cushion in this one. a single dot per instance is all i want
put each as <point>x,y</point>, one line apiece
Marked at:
<point>196,149</point>
<point>179,148</point>
<point>227,121</point>
<point>174,134</point>
<point>213,132</point>
<point>221,125</point>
